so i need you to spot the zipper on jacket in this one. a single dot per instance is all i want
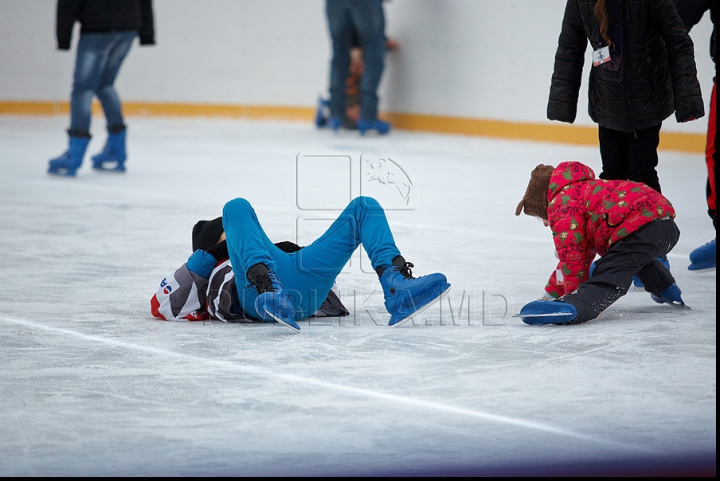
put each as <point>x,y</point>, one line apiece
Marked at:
<point>627,79</point>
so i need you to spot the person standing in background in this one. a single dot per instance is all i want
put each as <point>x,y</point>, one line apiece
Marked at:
<point>108,29</point>
<point>691,11</point>
<point>352,87</point>
<point>643,71</point>
<point>366,17</point>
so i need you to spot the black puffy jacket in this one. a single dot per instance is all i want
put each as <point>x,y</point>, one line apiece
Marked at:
<point>97,16</point>
<point>691,11</point>
<point>658,73</point>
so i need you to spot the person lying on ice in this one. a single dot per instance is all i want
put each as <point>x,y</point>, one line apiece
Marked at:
<point>235,271</point>
<point>629,224</point>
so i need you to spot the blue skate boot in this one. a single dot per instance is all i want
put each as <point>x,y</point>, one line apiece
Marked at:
<point>336,123</point>
<point>68,163</point>
<point>407,296</point>
<point>273,302</point>
<point>113,153</point>
<point>323,113</point>
<point>639,284</point>
<point>366,125</point>
<point>703,257</point>
<point>670,296</point>
<point>547,312</point>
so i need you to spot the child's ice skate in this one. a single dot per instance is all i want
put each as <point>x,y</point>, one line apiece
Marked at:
<point>273,302</point>
<point>704,257</point>
<point>407,296</point>
<point>548,312</point>
<point>639,284</point>
<point>670,296</point>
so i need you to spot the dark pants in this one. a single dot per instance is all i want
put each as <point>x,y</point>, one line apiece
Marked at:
<point>630,156</point>
<point>635,255</point>
<point>366,17</point>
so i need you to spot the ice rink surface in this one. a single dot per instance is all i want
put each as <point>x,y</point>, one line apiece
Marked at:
<point>92,384</point>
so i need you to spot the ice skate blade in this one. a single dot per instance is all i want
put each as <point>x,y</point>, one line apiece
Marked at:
<point>676,305</point>
<point>423,309</point>
<point>117,170</point>
<point>702,269</point>
<point>547,314</point>
<point>295,329</point>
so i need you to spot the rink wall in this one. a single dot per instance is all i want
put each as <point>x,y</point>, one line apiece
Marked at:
<point>476,67</point>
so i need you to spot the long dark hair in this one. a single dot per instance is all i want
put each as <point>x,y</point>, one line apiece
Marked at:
<point>602,15</point>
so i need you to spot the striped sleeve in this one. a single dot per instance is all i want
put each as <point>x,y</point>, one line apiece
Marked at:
<point>222,300</point>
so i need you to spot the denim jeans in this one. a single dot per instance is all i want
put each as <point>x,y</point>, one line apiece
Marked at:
<point>98,61</point>
<point>307,274</point>
<point>367,18</point>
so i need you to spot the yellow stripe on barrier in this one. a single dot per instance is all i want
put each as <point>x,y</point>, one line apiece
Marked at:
<point>546,132</point>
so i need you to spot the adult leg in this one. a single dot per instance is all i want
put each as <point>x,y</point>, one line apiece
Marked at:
<point>369,21</point>
<point>705,256</point>
<point>118,48</point>
<point>710,157</point>
<point>114,153</point>
<point>643,157</point>
<point>341,34</point>
<point>614,154</point>
<point>89,62</point>
<point>89,66</point>
<point>613,273</point>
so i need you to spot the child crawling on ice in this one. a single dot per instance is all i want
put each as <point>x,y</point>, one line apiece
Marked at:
<point>629,224</point>
<point>236,272</point>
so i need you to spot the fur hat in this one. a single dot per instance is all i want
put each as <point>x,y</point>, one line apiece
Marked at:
<point>535,201</point>
<point>206,233</point>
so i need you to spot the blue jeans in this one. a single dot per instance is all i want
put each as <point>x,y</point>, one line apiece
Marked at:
<point>308,274</point>
<point>98,61</point>
<point>368,19</point>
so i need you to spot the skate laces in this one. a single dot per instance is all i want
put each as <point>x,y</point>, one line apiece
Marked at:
<point>262,283</point>
<point>406,270</point>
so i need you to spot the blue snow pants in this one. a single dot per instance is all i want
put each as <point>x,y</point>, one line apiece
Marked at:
<point>308,274</point>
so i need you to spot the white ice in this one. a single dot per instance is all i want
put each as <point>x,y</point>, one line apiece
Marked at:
<point>91,384</point>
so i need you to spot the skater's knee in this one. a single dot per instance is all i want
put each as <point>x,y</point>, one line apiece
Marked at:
<point>365,202</point>
<point>236,208</point>
<point>235,205</point>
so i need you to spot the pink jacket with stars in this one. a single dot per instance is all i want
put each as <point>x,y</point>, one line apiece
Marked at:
<point>588,216</point>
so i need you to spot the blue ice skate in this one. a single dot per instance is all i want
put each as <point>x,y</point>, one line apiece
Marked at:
<point>367,125</point>
<point>68,163</point>
<point>407,296</point>
<point>323,113</point>
<point>113,154</point>
<point>639,284</point>
<point>591,271</point>
<point>273,302</point>
<point>703,257</point>
<point>335,123</point>
<point>547,312</point>
<point>670,296</point>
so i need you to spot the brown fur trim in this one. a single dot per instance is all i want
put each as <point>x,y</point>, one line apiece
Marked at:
<point>535,201</point>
